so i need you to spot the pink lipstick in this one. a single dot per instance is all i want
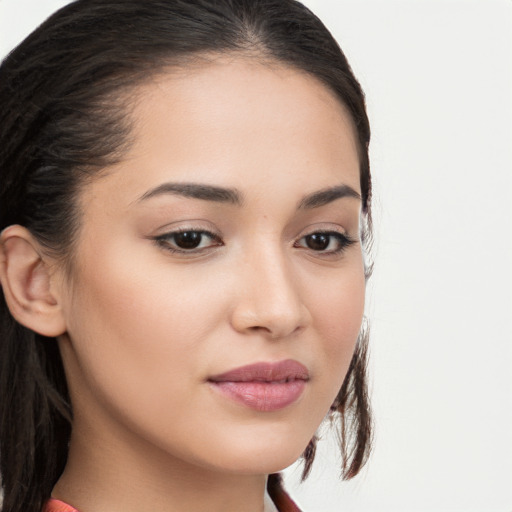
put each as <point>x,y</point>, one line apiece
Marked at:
<point>264,386</point>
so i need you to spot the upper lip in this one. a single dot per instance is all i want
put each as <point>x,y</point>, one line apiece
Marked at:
<point>281,371</point>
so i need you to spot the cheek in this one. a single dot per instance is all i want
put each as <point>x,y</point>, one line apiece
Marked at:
<point>337,310</point>
<point>142,300</point>
<point>137,330</point>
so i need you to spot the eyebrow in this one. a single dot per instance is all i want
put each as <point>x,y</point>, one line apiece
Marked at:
<point>326,196</point>
<point>196,191</point>
<point>233,196</point>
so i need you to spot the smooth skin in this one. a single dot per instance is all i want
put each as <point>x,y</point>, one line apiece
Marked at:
<point>261,274</point>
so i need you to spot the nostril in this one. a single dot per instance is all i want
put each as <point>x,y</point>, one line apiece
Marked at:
<point>259,328</point>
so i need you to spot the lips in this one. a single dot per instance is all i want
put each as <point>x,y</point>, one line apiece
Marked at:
<point>263,387</point>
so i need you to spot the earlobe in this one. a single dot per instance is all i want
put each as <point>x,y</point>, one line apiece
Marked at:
<point>26,278</point>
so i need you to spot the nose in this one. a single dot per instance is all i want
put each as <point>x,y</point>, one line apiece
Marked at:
<point>269,302</point>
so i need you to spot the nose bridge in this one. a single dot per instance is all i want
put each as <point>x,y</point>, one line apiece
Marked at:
<point>273,274</point>
<point>270,298</point>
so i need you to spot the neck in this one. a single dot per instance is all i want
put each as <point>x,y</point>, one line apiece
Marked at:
<point>116,474</point>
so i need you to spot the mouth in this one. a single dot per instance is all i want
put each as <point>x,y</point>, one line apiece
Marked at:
<point>264,387</point>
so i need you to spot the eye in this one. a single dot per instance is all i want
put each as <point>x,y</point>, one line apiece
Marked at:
<point>327,242</point>
<point>188,240</point>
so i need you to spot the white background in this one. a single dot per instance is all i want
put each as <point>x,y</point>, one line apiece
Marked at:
<point>438,77</point>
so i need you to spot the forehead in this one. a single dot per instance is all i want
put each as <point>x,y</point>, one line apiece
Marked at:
<point>235,120</point>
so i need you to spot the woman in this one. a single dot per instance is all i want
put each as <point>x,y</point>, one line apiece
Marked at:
<point>185,206</point>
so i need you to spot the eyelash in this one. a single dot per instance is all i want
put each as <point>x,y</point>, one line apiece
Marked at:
<point>168,241</point>
<point>343,241</point>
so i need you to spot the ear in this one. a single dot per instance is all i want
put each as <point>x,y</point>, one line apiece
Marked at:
<point>27,282</point>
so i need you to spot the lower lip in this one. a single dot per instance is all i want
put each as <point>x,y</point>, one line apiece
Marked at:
<point>262,396</point>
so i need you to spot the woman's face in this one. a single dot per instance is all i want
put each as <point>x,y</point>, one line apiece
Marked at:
<point>227,237</point>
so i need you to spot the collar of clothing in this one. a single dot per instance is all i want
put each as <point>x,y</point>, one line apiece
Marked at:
<point>276,499</point>
<point>268,504</point>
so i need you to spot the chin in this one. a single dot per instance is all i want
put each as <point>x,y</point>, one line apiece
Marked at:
<point>269,454</point>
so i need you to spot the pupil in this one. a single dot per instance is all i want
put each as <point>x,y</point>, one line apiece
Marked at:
<point>318,242</point>
<point>188,239</point>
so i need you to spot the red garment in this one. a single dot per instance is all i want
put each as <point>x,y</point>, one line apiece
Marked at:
<point>53,505</point>
<point>282,501</point>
